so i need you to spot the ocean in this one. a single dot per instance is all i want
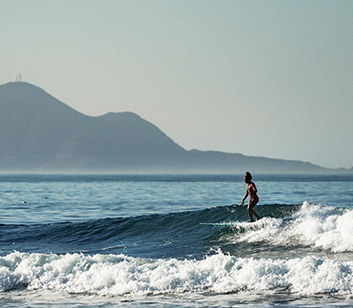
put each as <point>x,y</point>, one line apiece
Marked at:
<point>137,241</point>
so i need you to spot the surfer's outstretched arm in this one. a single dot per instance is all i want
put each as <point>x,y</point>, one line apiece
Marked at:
<point>246,195</point>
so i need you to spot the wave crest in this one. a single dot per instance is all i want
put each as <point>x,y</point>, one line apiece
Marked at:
<point>320,226</point>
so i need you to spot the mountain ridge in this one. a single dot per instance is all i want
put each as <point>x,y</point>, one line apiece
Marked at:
<point>39,133</point>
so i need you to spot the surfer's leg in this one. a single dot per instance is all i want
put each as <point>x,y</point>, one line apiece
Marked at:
<point>250,215</point>
<point>251,211</point>
<point>257,216</point>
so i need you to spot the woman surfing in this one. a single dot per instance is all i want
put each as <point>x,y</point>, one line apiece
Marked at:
<point>251,191</point>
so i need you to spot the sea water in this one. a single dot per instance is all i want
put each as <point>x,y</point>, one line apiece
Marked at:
<point>137,241</point>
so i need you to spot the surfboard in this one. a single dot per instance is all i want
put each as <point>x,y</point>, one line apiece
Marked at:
<point>230,223</point>
<point>234,223</point>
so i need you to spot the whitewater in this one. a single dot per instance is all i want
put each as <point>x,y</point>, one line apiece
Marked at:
<point>137,241</point>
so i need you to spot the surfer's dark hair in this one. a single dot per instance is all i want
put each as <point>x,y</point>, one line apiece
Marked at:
<point>248,175</point>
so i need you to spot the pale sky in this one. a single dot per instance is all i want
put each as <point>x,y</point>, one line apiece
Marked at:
<point>262,78</point>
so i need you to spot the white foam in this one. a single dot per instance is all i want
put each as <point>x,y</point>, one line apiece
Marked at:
<point>314,225</point>
<point>118,275</point>
<point>326,227</point>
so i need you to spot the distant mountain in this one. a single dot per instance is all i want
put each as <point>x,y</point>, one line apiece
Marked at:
<point>38,133</point>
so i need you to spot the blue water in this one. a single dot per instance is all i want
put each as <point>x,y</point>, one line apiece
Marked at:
<point>136,240</point>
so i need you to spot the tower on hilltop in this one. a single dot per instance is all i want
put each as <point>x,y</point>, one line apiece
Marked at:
<point>19,77</point>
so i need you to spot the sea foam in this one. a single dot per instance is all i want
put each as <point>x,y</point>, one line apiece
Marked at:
<point>118,275</point>
<point>319,226</point>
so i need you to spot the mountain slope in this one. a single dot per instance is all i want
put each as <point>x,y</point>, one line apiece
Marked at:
<point>38,133</point>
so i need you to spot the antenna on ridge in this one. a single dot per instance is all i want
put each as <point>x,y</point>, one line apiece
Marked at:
<point>19,77</point>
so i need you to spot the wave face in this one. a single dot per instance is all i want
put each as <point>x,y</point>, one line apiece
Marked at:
<point>292,230</point>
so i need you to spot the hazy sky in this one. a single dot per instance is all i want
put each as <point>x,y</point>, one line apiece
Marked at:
<point>262,78</point>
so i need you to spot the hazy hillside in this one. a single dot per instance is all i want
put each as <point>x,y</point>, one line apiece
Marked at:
<point>38,133</point>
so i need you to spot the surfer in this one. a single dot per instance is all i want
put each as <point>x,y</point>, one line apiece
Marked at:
<point>253,198</point>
